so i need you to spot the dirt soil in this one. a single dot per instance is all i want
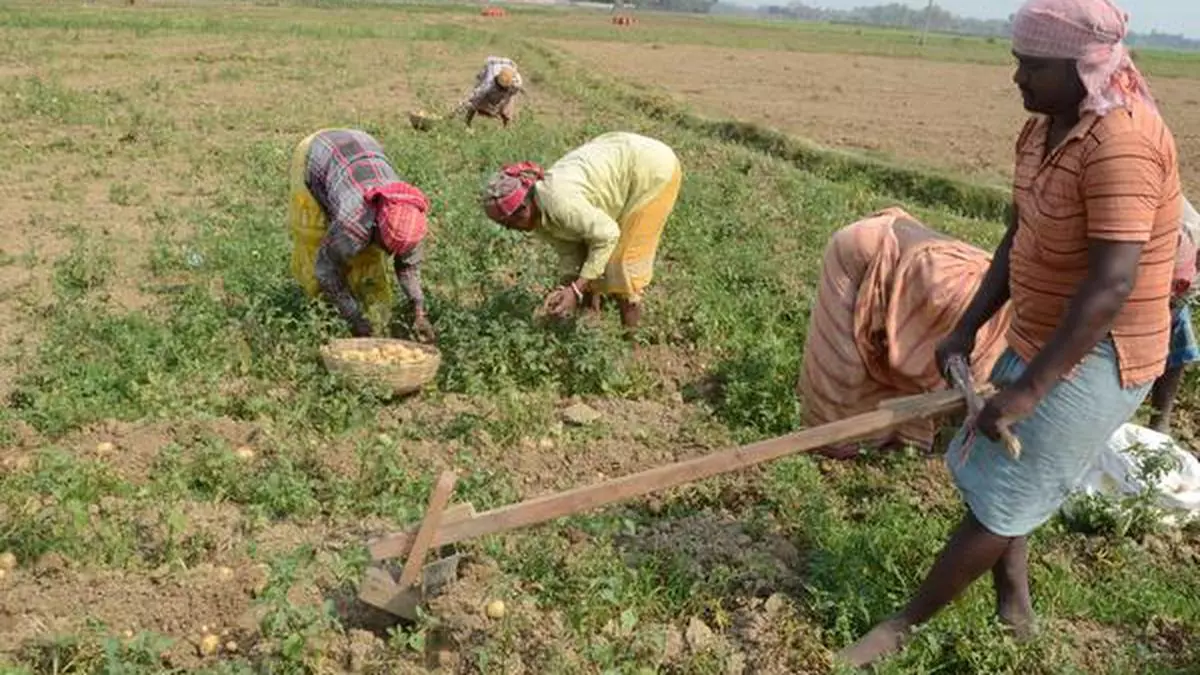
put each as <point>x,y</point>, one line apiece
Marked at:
<point>958,116</point>
<point>705,541</point>
<point>184,604</point>
<point>763,632</point>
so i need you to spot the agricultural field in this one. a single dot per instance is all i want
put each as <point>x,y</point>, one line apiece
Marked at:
<point>177,463</point>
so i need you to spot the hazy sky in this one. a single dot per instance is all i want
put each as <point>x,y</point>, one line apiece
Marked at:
<point>1168,16</point>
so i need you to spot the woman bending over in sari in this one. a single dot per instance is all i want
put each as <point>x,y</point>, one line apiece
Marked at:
<point>602,207</point>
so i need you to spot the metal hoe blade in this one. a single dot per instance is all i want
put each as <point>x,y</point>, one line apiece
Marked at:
<point>380,590</point>
<point>402,596</point>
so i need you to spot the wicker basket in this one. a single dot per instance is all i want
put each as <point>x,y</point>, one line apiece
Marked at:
<point>399,378</point>
<point>422,121</point>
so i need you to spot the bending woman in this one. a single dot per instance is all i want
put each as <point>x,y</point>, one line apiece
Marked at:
<point>603,207</point>
<point>495,94</point>
<point>890,290</point>
<point>348,211</point>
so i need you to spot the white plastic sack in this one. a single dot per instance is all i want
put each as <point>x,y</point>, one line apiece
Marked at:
<point>1118,467</point>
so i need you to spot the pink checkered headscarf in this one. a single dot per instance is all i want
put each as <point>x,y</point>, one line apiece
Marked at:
<point>400,215</point>
<point>507,189</point>
<point>1091,33</point>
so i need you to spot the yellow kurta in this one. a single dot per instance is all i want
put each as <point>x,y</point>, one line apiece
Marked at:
<point>604,205</point>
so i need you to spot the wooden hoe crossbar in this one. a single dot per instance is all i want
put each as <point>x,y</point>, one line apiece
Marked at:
<point>446,524</point>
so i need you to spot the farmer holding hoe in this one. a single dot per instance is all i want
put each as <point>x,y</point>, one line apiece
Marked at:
<point>1087,264</point>
<point>495,95</point>
<point>603,207</point>
<point>891,289</point>
<point>348,211</point>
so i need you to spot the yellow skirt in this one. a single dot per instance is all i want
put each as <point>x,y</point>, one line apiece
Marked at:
<point>368,273</point>
<point>631,266</point>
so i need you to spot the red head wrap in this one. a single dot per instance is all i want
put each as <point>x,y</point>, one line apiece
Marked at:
<point>400,215</point>
<point>509,187</point>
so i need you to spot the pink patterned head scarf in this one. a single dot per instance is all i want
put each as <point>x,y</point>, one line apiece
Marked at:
<point>507,189</point>
<point>400,216</point>
<point>1091,33</point>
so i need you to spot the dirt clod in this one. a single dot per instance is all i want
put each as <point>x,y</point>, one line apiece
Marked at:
<point>580,415</point>
<point>736,665</point>
<point>446,659</point>
<point>700,638</point>
<point>776,604</point>
<point>673,645</point>
<point>51,564</point>
<point>16,463</point>
<point>360,651</point>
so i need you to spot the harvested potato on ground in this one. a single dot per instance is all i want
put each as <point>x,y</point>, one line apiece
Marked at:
<point>209,644</point>
<point>495,609</point>
<point>8,561</point>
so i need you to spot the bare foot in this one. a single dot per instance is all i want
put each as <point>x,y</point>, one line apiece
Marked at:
<point>1014,608</point>
<point>631,315</point>
<point>884,639</point>
<point>1019,619</point>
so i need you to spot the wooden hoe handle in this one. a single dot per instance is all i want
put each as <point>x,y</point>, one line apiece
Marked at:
<point>586,498</point>
<point>960,375</point>
<point>438,499</point>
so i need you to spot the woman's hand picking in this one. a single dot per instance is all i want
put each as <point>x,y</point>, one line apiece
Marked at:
<point>562,302</point>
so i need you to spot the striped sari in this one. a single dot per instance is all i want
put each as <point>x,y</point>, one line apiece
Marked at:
<point>890,290</point>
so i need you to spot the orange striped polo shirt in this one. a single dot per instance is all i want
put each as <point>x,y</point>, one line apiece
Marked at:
<point>1114,178</point>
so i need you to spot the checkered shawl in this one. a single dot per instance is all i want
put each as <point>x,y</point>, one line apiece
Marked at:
<point>344,166</point>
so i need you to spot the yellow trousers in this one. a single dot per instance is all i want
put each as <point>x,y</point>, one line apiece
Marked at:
<point>368,272</point>
<point>630,269</point>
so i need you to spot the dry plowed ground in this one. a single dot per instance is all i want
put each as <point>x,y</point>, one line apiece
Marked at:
<point>955,116</point>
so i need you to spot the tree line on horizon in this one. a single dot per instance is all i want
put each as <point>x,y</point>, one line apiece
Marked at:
<point>896,15</point>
